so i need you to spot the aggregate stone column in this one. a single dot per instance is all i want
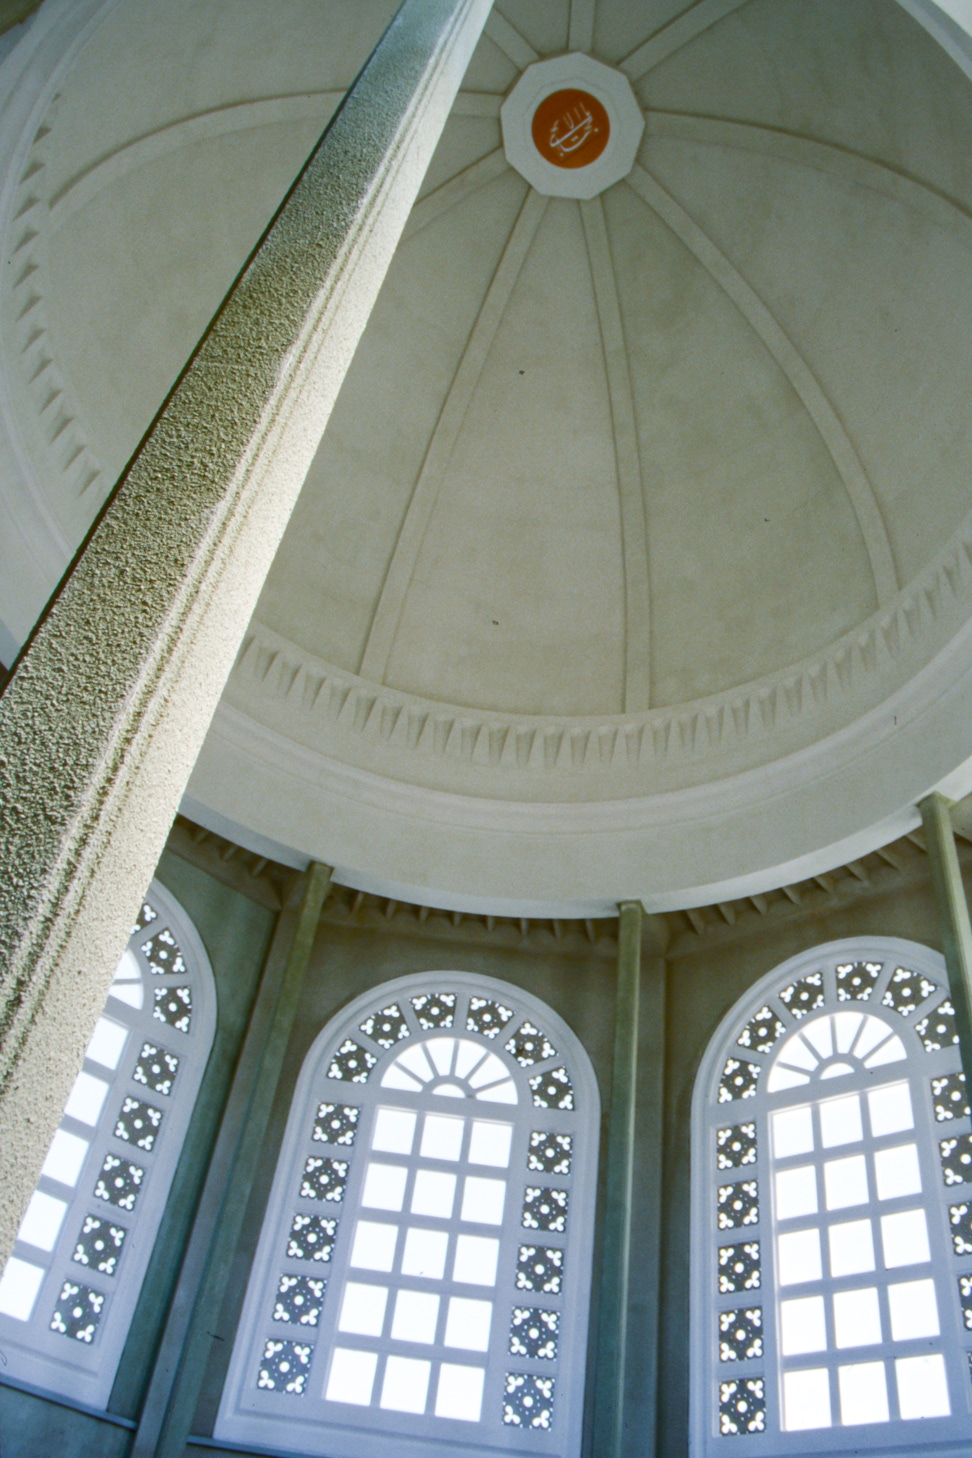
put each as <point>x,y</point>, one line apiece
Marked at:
<point>102,721</point>
<point>953,917</point>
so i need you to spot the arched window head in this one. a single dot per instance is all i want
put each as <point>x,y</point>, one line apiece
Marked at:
<point>69,1290</point>
<point>423,1273</point>
<point>832,1213</point>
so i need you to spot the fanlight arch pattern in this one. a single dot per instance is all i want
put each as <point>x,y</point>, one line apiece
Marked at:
<point>423,1273</point>
<point>832,1213</point>
<point>69,1291</point>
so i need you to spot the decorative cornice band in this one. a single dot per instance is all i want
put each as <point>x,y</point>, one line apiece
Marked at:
<point>760,720</point>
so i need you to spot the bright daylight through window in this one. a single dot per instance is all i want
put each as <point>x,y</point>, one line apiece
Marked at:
<point>68,1291</point>
<point>425,1260</point>
<point>832,1274</point>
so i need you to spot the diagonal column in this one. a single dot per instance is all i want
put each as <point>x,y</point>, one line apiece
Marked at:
<point>953,917</point>
<point>103,719</point>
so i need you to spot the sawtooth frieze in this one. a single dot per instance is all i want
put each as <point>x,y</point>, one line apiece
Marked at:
<point>330,709</point>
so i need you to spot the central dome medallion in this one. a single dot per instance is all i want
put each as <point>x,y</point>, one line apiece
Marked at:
<point>571,126</point>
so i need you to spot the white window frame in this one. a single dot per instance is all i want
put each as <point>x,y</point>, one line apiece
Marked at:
<point>933,1123</point>
<point>310,1424</point>
<point>79,1369</point>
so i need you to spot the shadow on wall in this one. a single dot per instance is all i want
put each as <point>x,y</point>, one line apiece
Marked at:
<point>12,12</point>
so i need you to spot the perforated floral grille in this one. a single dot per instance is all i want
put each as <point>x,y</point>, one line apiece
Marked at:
<point>761,1032</point>
<point>87,1236</point>
<point>907,990</point>
<point>736,1147</point>
<point>427,1228</point>
<point>549,1153</point>
<point>830,1261</point>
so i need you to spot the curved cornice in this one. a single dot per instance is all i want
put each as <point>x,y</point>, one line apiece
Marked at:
<point>543,757</point>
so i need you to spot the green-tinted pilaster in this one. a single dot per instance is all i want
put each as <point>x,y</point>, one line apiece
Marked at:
<point>180,1368</point>
<point>612,1345</point>
<point>953,917</point>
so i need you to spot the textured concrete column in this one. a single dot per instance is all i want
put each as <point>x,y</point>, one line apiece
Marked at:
<point>104,717</point>
<point>181,1363</point>
<point>612,1340</point>
<point>953,918</point>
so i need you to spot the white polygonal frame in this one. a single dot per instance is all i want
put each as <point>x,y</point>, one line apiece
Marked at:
<point>611,88</point>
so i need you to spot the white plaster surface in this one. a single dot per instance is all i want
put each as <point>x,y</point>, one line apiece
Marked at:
<point>824,154</point>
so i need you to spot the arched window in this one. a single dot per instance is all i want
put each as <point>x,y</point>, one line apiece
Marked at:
<point>68,1291</point>
<point>423,1272</point>
<point>832,1212</point>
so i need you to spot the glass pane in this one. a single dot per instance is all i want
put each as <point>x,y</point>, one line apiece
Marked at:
<point>406,1384</point>
<point>351,1377</point>
<point>904,1238</point>
<point>851,1248</point>
<point>107,1042</point>
<point>42,1221</point>
<point>384,1186</point>
<point>799,1257</point>
<point>19,1286</point>
<point>394,1131</point>
<point>796,1192</point>
<point>792,1132</point>
<point>845,1181</point>
<point>802,1326</point>
<point>482,1200</point>
<point>425,1253</point>
<point>414,1061</point>
<point>846,1028</point>
<point>840,1121</point>
<point>863,1393</point>
<point>442,1137</point>
<point>896,1172</point>
<point>922,1386</point>
<point>488,1071</point>
<point>806,1400</point>
<point>914,1310</point>
<point>499,1093</point>
<point>490,1144</point>
<point>416,1314</point>
<point>363,1309</point>
<point>890,1052</point>
<point>475,1262</point>
<point>890,1109</point>
<point>434,1193</point>
<point>374,1246</point>
<point>460,1392</point>
<point>441,1052</point>
<point>86,1099</point>
<point>467,1057</point>
<point>857,1320</point>
<point>874,1031</point>
<point>468,1324</point>
<point>65,1158</point>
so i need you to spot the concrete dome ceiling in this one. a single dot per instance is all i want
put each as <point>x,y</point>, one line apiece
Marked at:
<point>633,560</point>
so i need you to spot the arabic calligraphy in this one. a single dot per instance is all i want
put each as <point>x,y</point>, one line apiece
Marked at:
<point>571,128</point>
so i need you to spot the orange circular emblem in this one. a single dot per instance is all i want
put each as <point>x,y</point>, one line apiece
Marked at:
<point>570,128</point>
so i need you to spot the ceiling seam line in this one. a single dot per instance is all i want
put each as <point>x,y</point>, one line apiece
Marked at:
<point>627,458</point>
<point>845,163</point>
<point>515,47</point>
<point>580,31</point>
<point>435,204</point>
<point>675,35</point>
<point>384,626</point>
<point>765,325</point>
